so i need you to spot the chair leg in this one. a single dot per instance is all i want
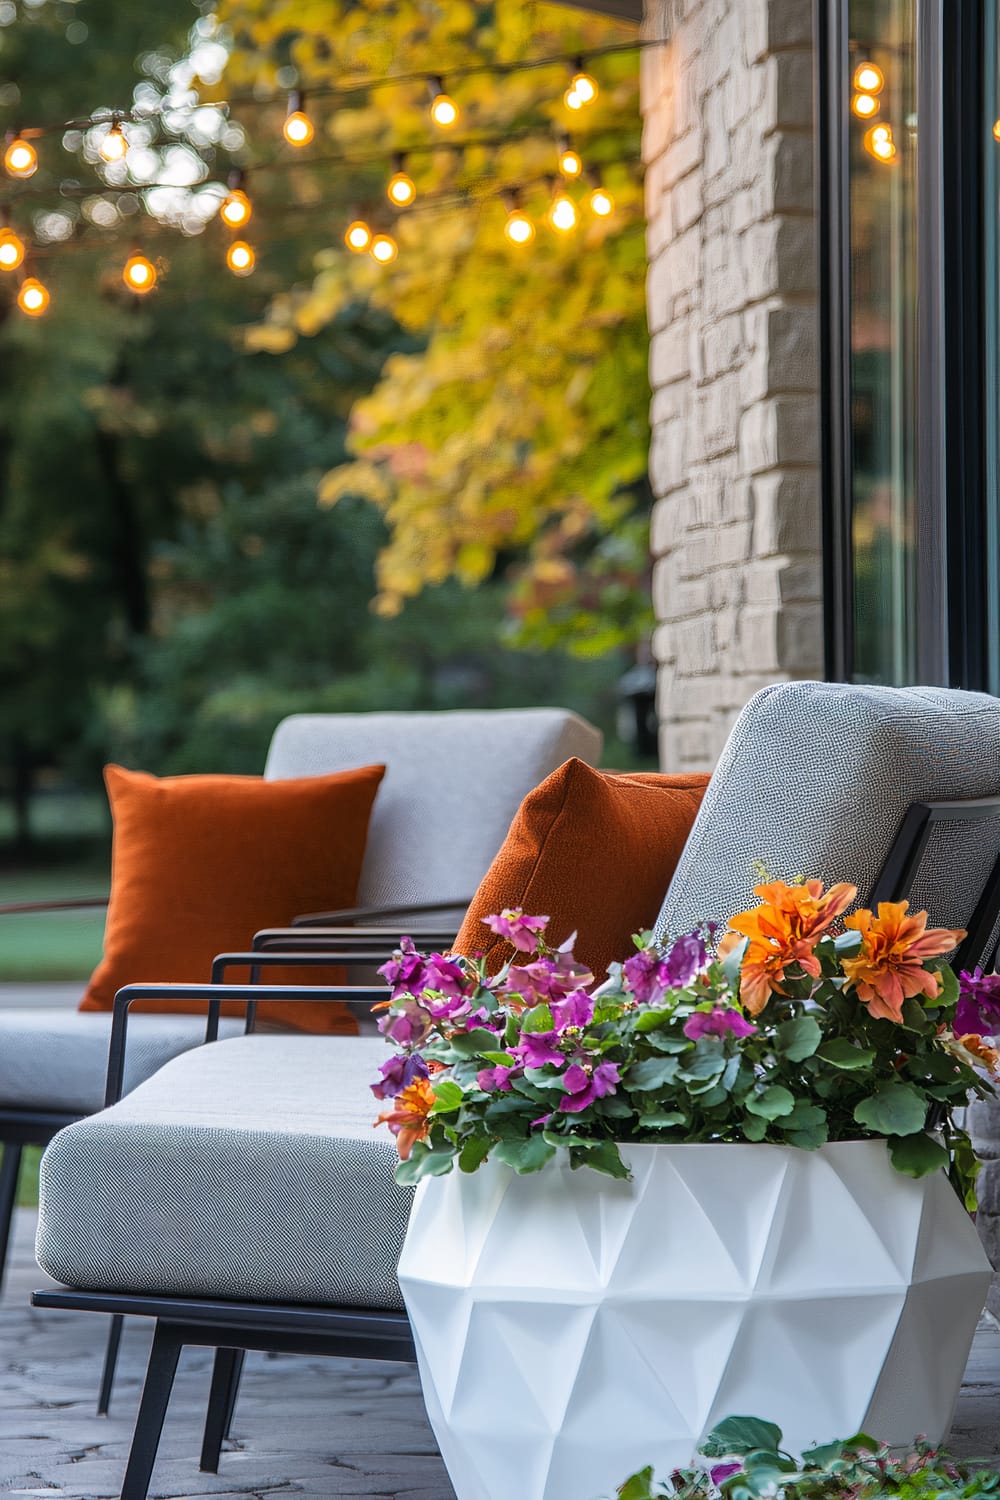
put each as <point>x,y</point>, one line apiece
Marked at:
<point>221,1405</point>
<point>152,1409</point>
<point>110,1365</point>
<point>10,1168</point>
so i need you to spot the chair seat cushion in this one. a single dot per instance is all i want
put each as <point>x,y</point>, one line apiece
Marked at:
<point>57,1060</point>
<point>245,1169</point>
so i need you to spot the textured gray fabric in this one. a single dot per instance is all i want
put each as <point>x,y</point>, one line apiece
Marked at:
<point>58,1059</point>
<point>814,781</point>
<point>453,783</point>
<point>249,1168</point>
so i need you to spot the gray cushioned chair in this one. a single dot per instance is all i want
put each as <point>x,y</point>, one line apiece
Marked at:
<point>241,1196</point>
<point>452,784</point>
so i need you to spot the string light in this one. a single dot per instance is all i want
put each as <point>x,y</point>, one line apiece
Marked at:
<point>358,237</point>
<point>444,110</point>
<point>114,145</point>
<point>601,202</point>
<point>570,164</point>
<point>20,158</point>
<point>865,105</point>
<point>518,228</point>
<point>869,78</point>
<point>878,142</point>
<point>400,188</point>
<point>384,249</point>
<point>241,258</point>
<point>11,250</point>
<point>236,209</point>
<point>582,89</point>
<point>298,128</point>
<point>139,274</point>
<point>33,298</point>
<point>562,214</point>
<point>996,130</point>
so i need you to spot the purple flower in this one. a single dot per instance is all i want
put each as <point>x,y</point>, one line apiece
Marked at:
<point>518,929</point>
<point>583,1086</point>
<point>448,1008</point>
<point>687,957</point>
<point>548,978</point>
<point>723,1471</point>
<point>717,1022</point>
<point>576,1010</point>
<point>410,973</point>
<point>495,1080</point>
<point>536,1048</point>
<point>645,975</point>
<point>397,1074</point>
<point>978,1008</point>
<point>407,1026</point>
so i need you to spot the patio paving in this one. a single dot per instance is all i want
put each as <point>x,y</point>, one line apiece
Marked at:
<point>315,1428</point>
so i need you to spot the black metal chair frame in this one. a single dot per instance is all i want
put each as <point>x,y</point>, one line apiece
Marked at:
<point>231,1327</point>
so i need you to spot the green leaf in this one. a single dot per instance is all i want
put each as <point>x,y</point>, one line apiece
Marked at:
<point>754,1128</point>
<point>539,1018</point>
<point>651,1073</point>
<point>772,1103</point>
<point>949,989</point>
<point>447,1097</point>
<point>525,1156</point>
<point>474,1152</point>
<point>542,1080</point>
<point>798,1039</point>
<point>473,1043</point>
<point>847,943</point>
<point>738,1435</point>
<point>499,1059</point>
<point>651,1020</point>
<point>638,1486</point>
<point>893,1109</point>
<point>605,1157</point>
<point>708,1062</point>
<point>840,1053</point>
<point>804,1116</point>
<point>822,1456</point>
<point>733,962</point>
<point>662,1119</point>
<point>917,1155</point>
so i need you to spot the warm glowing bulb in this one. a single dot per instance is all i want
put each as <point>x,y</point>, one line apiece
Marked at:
<point>401,189</point>
<point>864,105</point>
<point>11,250</point>
<point>869,79</point>
<point>114,145</point>
<point>572,99</point>
<point>241,258</point>
<point>519,228</point>
<point>444,110</point>
<point>570,164</point>
<point>237,209</point>
<point>602,203</point>
<point>33,298</point>
<point>139,274</point>
<point>298,129</point>
<point>585,89</point>
<point>996,131</point>
<point>358,236</point>
<point>878,142</point>
<point>384,249</point>
<point>562,214</point>
<point>21,158</point>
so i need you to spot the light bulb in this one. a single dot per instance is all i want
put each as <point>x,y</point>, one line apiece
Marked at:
<point>584,87</point>
<point>869,78</point>
<point>33,298</point>
<point>241,258</point>
<point>298,128</point>
<point>570,164</point>
<point>11,250</point>
<point>401,189</point>
<point>236,209</point>
<point>519,228</point>
<point>21,158</point>
<point>865,105</point>
<point>139,274</point>
<point>602,203</point>
<point>878,142</point>
<point>444,110</point>
<point>996,131</point>
<point>114,145</point>
<point>358,236</point>
<point>384,249</point>
<point>572,99</point>
<point>562,214</point>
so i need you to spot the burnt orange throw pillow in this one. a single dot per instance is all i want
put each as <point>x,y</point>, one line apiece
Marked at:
<point>592,851</point>
<point>199,863</point>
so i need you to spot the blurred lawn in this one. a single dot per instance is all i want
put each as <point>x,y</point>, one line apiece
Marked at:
<point>69,858</point>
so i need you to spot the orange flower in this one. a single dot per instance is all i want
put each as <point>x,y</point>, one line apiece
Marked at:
<point>407,1119</point>
<point>979,1051</point>
<point>890,966</point>
<point>783,931</point>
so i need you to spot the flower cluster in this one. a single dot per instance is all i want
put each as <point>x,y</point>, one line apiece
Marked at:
<point>785,1031</point>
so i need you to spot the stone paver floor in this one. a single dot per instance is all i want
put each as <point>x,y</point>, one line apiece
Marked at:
<point>312,1428</point>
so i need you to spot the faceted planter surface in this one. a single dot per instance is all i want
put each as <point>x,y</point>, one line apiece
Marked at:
<point>571,1329</point>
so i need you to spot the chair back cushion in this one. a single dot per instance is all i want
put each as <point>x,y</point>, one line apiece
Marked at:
<point>591,851</point>
<point>453,782</point>
<point>814,781</point>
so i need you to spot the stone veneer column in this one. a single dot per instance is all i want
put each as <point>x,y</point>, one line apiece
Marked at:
<point>728,127</point>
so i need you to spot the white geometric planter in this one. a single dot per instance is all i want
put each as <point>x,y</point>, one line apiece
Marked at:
<point>571,1329</point>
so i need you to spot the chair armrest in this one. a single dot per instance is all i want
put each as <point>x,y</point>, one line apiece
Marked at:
<point>71,903</point>
<point>352,915</point>
<point>312,959</point>
<point>213,995</point>
<point>380,941</point>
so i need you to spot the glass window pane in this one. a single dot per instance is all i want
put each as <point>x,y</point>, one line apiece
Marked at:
<point>991,308</point>
<point>883,191</point>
